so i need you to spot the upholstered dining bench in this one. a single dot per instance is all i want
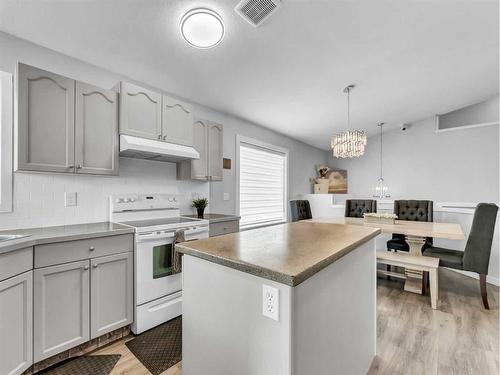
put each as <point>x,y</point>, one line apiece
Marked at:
<point>418,263</point>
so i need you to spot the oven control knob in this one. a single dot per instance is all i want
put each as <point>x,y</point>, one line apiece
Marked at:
<point>131,200</point>
<point>169,199</point>
<point>119,200</point>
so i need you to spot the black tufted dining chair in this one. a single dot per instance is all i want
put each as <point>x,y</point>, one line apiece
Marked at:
<point>300,210</point>
<point>476,256</point>
<point>412,210</point>
<point>357,207</point>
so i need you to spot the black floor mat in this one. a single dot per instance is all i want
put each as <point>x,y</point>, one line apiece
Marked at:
<point>159,348</point>
<point>85,365</point>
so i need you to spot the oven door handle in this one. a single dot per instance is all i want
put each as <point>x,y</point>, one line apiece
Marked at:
<point>150,237</point>
<point>196,230</point>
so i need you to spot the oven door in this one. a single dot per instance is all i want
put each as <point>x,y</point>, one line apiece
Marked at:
<point>154,267</point>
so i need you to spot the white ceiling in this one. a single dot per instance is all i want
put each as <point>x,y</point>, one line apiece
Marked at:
<point>408,59</point>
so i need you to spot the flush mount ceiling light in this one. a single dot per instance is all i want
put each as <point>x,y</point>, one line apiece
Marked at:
<point>202,28</point>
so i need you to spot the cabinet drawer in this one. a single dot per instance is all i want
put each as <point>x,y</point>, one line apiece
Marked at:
<point>16,262</point>
<point>225,227</point>
<point>69,251</point>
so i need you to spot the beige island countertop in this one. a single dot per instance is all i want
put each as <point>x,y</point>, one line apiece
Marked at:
<point>287,253</point>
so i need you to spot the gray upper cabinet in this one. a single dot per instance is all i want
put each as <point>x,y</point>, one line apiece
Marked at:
<point>16,324</point>
<point>208,141</point>
<point>215,151</point>
<point>199,167</point>
<point>96,130</point>
<point>140,111</point>
<point>177,120</point>
<point>61,308</point>
<point>111,291</point>
<point>64,125</point>
<point>45,121</point>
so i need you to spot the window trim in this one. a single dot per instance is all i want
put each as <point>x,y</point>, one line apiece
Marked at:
<point>6,180</point>
<point>256,143</point>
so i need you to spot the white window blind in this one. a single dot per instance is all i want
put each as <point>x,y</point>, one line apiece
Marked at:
<point>262,184</point>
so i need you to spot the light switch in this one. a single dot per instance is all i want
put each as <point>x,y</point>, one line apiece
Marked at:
<point>226,196</point>
<point>70,199</point>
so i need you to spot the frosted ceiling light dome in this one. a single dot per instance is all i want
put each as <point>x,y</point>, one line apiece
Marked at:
<point>202,28</point>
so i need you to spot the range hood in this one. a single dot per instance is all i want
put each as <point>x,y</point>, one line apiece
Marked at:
<point>141,148</point>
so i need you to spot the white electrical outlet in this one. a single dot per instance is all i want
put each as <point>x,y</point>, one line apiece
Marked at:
<point>271,302</point>
<point>226,196</point>
<point>70,199</point>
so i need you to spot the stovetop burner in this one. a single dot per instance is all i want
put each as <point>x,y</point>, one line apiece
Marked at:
<point>160,221</point>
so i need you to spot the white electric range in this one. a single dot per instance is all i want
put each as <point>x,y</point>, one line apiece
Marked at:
<point>156,218</point>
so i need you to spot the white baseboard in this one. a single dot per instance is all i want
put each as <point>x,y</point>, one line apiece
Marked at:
<point>489,279</point>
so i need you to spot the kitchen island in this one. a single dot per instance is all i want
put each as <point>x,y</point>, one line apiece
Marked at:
<point>296,298</point>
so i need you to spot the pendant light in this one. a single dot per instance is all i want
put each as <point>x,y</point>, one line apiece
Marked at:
<point>381,189</point>
<point>349,143</point>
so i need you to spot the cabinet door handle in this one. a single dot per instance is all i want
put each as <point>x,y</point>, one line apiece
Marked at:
<point>91,248</point>
<point>164,137</point>
<point>95,265</point>
<point>85,268</point>
<point>159,137</point>
<point>70,166</point>
<point>79,166</point>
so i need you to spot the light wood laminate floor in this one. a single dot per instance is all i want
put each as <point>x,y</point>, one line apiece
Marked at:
<point>459,338</point>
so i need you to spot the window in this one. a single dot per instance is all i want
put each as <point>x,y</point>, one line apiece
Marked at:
<point>6,110</point>
<point>262,183</point>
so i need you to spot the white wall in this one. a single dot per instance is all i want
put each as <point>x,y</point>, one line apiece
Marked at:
<point>452,166</point>
<point>38,198</point>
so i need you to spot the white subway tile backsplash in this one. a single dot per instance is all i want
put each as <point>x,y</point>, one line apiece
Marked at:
<point>39,198</point>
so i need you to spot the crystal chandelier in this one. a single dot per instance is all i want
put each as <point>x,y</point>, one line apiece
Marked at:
<point>349,143</point>
<point>381,189</point>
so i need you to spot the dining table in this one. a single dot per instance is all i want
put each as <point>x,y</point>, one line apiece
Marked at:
<point>415,233</point>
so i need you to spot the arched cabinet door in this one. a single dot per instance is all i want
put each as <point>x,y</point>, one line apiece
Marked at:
<point>215,151</point>
<point>96,130</point>
<point>177,121</point>
<point>46,124</point>
<point>199,167</point>
<point>140,112</point>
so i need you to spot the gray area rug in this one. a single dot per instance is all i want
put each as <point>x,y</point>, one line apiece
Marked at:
<point>85,365</point>
<point>159,348</point>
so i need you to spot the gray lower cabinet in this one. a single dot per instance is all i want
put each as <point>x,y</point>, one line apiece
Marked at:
<point>45,126</point>
<point>111,293</point>
<point>61,308</point>
<point>224,227</point>
<point>96,130</point>
<point>140,111</point>
<point>16,324</point>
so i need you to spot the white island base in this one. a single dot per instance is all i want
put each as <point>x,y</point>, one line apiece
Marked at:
<point>327,323</point>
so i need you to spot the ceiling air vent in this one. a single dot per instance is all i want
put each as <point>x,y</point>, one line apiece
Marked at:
<point>256,12</point>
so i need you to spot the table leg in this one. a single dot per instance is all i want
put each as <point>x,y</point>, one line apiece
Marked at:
<point>414,277</point>
<point>433,276</point>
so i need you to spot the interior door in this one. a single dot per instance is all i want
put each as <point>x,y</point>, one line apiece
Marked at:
<point>111,291</point>
<point>215,151</point>
<point>177,121</point>
<point>16,324</point>
<point>46,121</point>
<point>61,308</point>
<point>199,167</point>
<point>140,112</point>
<point>96,130</point>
